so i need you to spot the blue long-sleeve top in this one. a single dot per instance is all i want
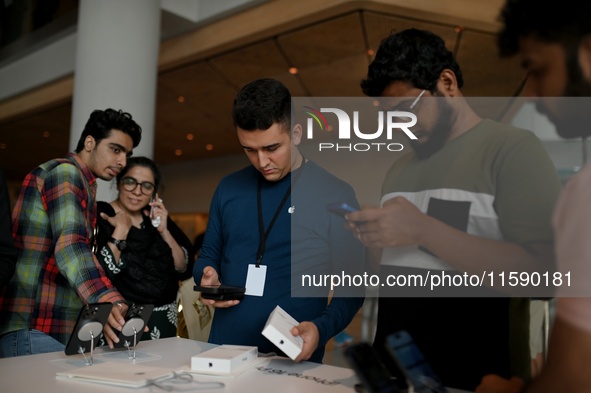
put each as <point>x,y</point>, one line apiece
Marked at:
<point>310,240</point>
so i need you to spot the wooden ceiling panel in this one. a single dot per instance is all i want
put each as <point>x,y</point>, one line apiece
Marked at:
<point>261,60</point>
<point>205,112</point>
<point>23,145</point>
<point>336,78</point>
<point>325,42</point>
<point>380,26</point>
<point>484,73</point>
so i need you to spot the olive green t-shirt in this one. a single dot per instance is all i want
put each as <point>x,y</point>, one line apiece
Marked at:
<point>494,181</point>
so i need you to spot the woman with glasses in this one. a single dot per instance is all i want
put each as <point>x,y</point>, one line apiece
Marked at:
<point>142,250</point>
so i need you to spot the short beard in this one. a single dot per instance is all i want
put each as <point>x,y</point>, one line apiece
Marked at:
<point>574,120</point>
<point>439,134</point>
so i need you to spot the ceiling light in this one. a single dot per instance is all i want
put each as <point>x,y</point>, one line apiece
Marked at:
<point>181,99</point>
<point>178,152</point>
<point>190,137</point>
<point>370,52</point>
<point>293,70</point>
<point>209,147</point>
<point>46,134</point>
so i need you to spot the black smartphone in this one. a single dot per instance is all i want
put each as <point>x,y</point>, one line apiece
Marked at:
<point>420,376</point>
<point>372,373</point>
<point>135,320</point>
<point>221,292</point>
<point>89,326</point>
<point>340,208</point>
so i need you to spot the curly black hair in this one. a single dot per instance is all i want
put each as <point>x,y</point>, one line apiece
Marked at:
<point>414,56</point>
<point>565,23</point>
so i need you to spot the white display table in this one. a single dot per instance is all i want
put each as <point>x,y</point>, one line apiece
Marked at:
<point>37,373</point>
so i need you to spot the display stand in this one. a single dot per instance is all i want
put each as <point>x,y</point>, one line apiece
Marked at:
<point>88,332</point>
<point>132,327</point>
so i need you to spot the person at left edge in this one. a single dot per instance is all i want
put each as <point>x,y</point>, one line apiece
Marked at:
<point>7,249</point>
<point>53,223</point>
<point>304,236</point>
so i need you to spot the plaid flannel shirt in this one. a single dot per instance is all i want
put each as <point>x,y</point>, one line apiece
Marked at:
<point>56,271</point>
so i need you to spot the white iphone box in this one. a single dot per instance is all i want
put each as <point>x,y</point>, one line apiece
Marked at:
<point>278,331</point>
<point>224,359</point>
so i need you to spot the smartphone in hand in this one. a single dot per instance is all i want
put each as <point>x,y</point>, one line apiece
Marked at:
<point>220,292</point>
<point>341,209</point>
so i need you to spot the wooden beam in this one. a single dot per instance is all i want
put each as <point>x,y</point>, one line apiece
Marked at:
<point>280,16</point>
<point>47,96</point>
<point>267,20</point>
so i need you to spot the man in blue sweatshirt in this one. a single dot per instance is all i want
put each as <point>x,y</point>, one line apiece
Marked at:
<point>268,226</point>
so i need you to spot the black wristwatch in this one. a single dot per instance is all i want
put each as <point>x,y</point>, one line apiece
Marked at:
<point>120,244</point>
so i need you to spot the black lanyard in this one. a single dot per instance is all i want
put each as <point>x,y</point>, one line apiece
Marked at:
<point>264,234</point>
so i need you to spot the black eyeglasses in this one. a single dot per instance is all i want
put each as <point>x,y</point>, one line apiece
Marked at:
<point>130,184</point>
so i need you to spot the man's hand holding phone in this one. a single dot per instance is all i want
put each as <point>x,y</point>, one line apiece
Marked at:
<point>341,209</point>
<point>210,278</point>
<point>397,223</point>
<point>354,217</point>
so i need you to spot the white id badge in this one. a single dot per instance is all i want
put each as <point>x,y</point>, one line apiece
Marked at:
<point>255,280</point>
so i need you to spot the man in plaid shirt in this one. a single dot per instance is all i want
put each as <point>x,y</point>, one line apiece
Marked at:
<point>53,223</point>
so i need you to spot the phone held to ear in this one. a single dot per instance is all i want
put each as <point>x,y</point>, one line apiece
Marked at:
<point>341,209</point>
<point>220,292</point>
